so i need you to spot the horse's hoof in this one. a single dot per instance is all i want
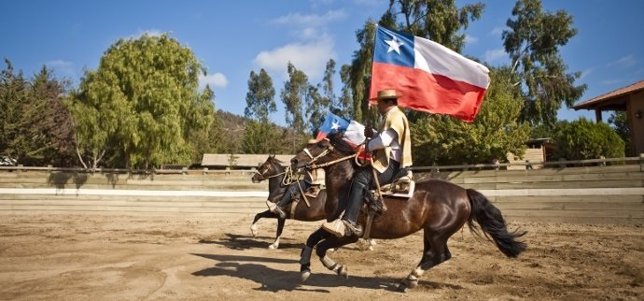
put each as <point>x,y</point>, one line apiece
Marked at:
<point>407,284</point>
<point>370,248</point>
<point>412,284</point>
<point>402,288</point>
<point>305,275</point>
<point>273,246</point>
<point>253,230</point>
<point>343,271</point>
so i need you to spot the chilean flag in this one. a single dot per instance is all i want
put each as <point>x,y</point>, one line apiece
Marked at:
<point>431,77</point>
<point>353,130</point>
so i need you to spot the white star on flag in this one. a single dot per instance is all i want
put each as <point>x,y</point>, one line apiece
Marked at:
<point>335,125</point>
<point>394,45</point>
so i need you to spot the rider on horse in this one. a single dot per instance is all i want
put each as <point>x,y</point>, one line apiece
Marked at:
<point>310,185</point>
<point>391,149</point>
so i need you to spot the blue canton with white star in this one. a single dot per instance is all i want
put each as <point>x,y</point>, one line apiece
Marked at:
<point>394,48</point>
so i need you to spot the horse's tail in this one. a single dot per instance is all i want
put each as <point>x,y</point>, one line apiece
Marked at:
<point>493,225</point>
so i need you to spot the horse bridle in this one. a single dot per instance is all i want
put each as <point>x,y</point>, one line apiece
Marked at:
<point>264,177</point>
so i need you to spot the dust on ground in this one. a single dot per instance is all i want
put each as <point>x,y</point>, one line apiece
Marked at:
<point>184,257</point>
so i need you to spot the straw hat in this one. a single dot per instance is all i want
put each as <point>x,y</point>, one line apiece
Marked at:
<point>387,94</point>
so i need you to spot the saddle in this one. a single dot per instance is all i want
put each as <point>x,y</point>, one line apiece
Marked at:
<point>402,185</point>
<point>310,193</point>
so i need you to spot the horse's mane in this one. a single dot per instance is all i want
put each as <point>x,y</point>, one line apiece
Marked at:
<point>275,160</point>
<point>340,144</point>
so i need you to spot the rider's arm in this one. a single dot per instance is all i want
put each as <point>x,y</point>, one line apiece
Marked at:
<point>382,140</point>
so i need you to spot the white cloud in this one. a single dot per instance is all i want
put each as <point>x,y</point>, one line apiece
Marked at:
<point>213,80</point>
<point>151,32</point>
<point>497,31</point>
<point>148,32</point>
<point>62,68</point>
<point>309,57</point>
<point>470,39</point>
<point>585,73</point>
<point>310,51</point>
<point>624,62</point>
<point>611,82</point>
<point>494,55</point>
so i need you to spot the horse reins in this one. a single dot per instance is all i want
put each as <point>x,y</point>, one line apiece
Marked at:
<point>287,178</point>
<point>329,149</point>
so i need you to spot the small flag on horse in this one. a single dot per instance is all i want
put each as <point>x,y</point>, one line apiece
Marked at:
<point>332,124</point>
<point>353,130</point>
<point>431,77</point>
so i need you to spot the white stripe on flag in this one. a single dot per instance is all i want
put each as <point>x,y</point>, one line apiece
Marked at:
<point>435,58</point>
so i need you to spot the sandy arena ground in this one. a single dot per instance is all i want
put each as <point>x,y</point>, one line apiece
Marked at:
<point>183,257</point>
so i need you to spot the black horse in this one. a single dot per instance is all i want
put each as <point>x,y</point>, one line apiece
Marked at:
<point>438,207</point>
<point>275,172</point>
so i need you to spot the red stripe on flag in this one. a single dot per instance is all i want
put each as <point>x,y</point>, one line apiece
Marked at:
<point>427,92</point>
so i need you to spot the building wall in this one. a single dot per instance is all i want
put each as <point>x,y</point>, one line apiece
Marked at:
<point>637,124</point>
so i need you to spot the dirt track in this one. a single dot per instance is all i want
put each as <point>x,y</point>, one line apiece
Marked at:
<point>115,257</point>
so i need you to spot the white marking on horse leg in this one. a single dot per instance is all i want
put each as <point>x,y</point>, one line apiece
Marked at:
<point>253,229</point>
<point>275,244</point>
<point>372,243</point>
<point>418,272</point>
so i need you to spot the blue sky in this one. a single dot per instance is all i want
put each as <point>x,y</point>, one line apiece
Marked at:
<point>233,38</point>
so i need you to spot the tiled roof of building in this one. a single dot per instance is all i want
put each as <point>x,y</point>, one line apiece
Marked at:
<point>612,95</point>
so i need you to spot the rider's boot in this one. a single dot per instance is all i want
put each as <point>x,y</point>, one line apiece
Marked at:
<point>348,225</point>
<point>277,208</point>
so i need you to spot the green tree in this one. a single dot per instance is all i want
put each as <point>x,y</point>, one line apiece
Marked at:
<point>533,41</point>
<point>343,106</point>
<point>294,95</point>
<point>582,139</point>
<point>14,110</point>
<point>495,132</point>
<point>52,130</point>
<point>205,139</point>
<point>321,98</point>
<point>619,121</point>
<point>141,105</point>
<point>316,108</point>
<point>260,138</point>
<point>260,102</point>
<point>35,127</point>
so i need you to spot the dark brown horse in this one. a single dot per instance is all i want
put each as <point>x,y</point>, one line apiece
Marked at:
<point>275,172</point>
<point>438,207</point>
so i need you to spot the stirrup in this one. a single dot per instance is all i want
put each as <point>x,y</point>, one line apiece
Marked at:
<point>336,227</point>
<point>272,207</point>
<point>351,229</point>
<point>340,228</point>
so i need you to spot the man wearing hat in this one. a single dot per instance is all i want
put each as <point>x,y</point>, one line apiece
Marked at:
<point>391,151</point>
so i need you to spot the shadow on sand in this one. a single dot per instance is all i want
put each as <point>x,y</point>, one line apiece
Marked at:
<point>243,242</point>
<point>253,268</point>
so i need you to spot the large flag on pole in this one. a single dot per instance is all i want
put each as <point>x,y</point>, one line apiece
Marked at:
<point>431,77</point>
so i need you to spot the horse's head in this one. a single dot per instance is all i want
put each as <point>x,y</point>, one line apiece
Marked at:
<point>321,152</point>
<point>270,168</point>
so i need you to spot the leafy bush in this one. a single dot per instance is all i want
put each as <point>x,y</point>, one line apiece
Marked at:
<point>582,139</point>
